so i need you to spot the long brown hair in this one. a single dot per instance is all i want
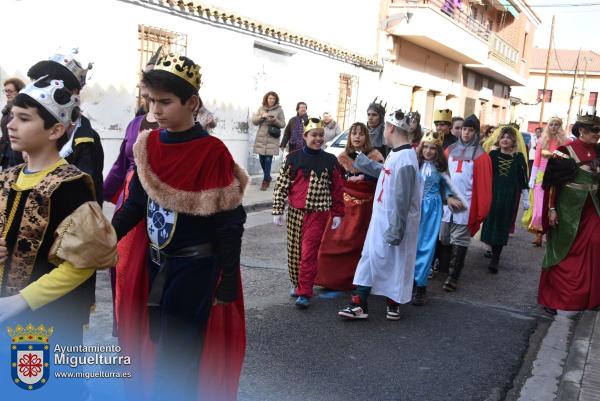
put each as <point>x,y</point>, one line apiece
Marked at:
<point>265,102</point>
<point>511,133</point>
<point>440,159</point>
<point>368,148</point>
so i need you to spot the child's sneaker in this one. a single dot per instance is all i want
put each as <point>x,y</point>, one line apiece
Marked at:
<point>293,293</point>
<point>393,312</point>
<point>302,302</point>
<point>354,312</point>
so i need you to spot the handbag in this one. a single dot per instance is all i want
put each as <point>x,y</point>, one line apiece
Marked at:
<point>275,132</point>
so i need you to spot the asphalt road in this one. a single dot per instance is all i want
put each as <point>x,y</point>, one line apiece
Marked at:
<point>463,346</point>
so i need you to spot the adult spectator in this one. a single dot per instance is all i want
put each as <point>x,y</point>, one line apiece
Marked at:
<point>332,129</point>
<point>457,124</point>
<point>293,137</point>
<point>270,120</point>
<point>8,158</point>
<point>534,140</point>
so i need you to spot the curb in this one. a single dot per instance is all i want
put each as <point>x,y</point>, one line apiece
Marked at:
<point>258,206</point>
<point>570,384</point>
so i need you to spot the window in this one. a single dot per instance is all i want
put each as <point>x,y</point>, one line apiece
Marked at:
<point>547,96</point>
<point>345,100</point>
<point>151,39</point>
<point>593,99</point>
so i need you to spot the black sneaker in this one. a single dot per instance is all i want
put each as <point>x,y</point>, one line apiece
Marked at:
<point>420,297</point>
<point>354,312</point>
<point>393,312</point>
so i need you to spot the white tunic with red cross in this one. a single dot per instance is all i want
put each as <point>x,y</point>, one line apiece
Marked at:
<point>461,173</point>
<point>389,270</point>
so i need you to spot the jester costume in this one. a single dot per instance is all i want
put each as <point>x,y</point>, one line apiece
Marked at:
<point>311,180</point>
<point>340,249</point>
<point>570,278</point>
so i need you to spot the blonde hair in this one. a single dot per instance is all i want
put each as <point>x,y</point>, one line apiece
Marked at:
<point>561,136</point>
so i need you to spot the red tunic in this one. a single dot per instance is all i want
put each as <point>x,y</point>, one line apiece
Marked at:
<point>574,283</point>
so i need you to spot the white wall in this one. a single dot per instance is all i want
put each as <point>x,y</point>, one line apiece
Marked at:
<point>233,71</point>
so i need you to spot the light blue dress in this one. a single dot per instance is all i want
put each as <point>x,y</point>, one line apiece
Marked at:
<point>431,219</point>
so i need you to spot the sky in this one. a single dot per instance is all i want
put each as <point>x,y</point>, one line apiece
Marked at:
<point>575,27</point>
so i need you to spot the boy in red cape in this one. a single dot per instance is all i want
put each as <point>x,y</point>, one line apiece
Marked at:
<point>188,190</point>
<point>471,173</point>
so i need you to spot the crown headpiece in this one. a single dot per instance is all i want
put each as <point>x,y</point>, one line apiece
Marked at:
<point>313,123</point>
<point>589,118</point>
<point>68,61</point>
<point>181,66</point>
<point>442,115</point>
<point>30,333</point>
<point>399,120</point>
<point>44,93</point>
<point>433,137</point>
<point>379,107</point>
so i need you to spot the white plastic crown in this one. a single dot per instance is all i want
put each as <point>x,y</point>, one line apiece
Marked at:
<point>69,62</point>
<point>45,97</point>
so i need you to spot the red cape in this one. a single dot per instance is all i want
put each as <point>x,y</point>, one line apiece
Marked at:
<point>198,169</point>
<point>481,197</point>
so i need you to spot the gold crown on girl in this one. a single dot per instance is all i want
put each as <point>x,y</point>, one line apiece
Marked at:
<point>29,333</point>
<point>313,123</point>
<point>434,137</point>
<point>181,66</point>
<point>43,92</point>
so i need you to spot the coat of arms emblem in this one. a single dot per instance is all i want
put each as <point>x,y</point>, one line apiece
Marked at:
<point>30,355</point>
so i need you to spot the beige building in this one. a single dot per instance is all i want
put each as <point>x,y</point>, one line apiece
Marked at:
<point>461,55</point>
<point>573,79</point>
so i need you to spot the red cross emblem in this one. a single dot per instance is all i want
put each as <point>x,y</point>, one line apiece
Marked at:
<point>386,171</point>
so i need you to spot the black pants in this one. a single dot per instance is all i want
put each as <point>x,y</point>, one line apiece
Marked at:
<point>184,311</point>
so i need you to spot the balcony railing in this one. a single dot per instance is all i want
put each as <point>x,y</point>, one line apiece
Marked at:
<point>504,52</point>
<point>450,8</point>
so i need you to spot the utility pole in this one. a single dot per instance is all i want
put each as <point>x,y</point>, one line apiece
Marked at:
<point>541,122</point>
<point>582,94</point>
<point>573,87</point>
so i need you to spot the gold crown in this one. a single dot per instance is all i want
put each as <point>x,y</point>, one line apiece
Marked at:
<point>30,333</point>
<point>588,118</point>
<point>181,66</point>
<point>443,115</point>
<point>436,138</point>
<point>313,123</point>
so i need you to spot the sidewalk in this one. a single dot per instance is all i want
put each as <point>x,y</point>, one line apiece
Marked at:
<point>255,199</point>
<point>581,377</point>
<point>567,364</point>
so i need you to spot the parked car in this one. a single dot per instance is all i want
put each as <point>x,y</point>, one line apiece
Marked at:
<point>337,144</point>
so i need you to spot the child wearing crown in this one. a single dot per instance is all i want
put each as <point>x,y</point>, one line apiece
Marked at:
<point>188,189</point>
<point>437,191</point>
<point>53,233</point>
<point>311,180</point>
<point>387,263</point>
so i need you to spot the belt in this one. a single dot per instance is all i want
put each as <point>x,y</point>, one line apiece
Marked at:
<point>582,187</point>
<point>158,284</point>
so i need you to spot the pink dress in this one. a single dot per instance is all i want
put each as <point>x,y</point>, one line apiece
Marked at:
<point>540,162</point>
